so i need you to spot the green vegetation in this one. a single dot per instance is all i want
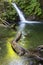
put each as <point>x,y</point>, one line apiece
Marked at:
<point>32,34</point>
<point>6,32</point>
<point>8,13</point>
<point>30,8</point>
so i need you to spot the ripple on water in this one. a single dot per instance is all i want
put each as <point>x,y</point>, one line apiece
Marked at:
<point>22,61</point>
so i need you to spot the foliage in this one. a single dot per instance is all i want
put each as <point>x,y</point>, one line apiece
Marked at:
<point>29,7</point>
<point>9,12</point>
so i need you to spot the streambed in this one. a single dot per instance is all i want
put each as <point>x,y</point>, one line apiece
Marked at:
<point>32,36</point>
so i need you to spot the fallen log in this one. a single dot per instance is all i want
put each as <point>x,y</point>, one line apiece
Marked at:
<point>5,23</point>
<point>23,52</point>
<point>18,37</point>
<point>16,47</point>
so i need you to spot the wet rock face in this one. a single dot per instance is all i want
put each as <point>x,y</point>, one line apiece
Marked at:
<point>40,49</point>
<point>31,17</point>
<point>41,2</point>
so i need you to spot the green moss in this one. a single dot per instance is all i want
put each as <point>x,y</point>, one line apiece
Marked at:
<point>6,32</point>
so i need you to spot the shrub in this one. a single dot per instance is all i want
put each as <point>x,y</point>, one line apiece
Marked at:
<point>29,7</point>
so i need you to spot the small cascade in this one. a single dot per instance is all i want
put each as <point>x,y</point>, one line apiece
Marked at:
<point>22,18</point>
<point>30,22</point>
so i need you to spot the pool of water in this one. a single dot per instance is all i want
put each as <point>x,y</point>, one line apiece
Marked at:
<point>32,36</point>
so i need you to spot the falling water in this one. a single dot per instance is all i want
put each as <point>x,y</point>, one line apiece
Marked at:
<point>22,18</point>
<point>19,12</point>
<point>21,27</point>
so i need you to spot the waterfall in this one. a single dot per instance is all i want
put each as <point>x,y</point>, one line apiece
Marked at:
<point>22,18</point>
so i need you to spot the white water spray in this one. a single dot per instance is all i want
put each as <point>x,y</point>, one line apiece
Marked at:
<point>21,27</point>
<point>22,18</point>
<point>19,12</point>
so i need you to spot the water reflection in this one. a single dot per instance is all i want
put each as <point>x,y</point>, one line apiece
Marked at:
<point>21,61</point>
<point>21,26</point>
<point>31,38</point>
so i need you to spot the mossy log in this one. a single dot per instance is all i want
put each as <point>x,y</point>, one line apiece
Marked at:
<point>36,54</point>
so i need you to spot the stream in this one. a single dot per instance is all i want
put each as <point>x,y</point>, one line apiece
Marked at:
<point>32,36</point>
